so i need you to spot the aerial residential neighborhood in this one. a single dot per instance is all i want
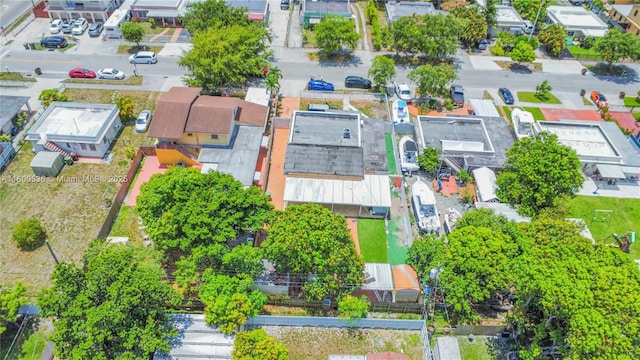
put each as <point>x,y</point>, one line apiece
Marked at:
<point>320,179</point>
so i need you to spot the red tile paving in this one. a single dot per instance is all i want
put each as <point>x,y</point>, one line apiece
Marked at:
<point>353,228</point>
<point>554,114</point>
<point>449,187</point>
<point>626,121</point>
<point>149,167</point>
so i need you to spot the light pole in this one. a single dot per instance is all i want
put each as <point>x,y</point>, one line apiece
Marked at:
<point>49,247</point>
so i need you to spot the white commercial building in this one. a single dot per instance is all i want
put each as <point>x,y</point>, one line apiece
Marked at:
<point>578,21</point>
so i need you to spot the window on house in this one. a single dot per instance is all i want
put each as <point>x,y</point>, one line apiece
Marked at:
<point>68,146</point>
<point>189,134</point>
<point>83,146</point>
<point>92,147</point>
<point>214,136</point>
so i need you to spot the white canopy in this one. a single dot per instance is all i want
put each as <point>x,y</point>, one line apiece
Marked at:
<point>373,191</point>
<point>486,182</point>
<point>610,171</point>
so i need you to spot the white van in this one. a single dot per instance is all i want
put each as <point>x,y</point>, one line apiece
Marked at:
<point>56,26</point>
<point>143,57</point>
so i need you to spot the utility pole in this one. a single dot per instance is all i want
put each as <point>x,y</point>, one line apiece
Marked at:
<point>535,22</point>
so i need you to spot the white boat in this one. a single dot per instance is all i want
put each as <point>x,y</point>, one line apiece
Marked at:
<point>400,112</point>
<point>408,154</point>
<point>522,123</point>
<point>424,207</point>
<point>451,217</point>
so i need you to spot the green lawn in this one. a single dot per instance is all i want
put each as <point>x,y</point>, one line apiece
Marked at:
<point>15,76</point>
<point>580,52</point>
<point>133,49</point>
<point>626,217</point>
<point>373,240</point>
<point>130,80</point>
<point>536,112</point>
<point>530,96</point>
<point>478,349</point>
<point>126,224</point>
<point>630,101</point>
<point>391,158</point>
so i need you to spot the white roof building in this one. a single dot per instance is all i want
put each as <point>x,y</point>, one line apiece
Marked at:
<point>486,182</point>
<point>577,20</point>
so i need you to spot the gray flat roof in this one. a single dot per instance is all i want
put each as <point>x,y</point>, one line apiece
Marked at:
<point>325,128</point>
<point>328,7</point>
<point>482,141</point>
<point>251,5</point>
<point>10,106</point>
<point>374,147</point>
<point>82,121</point>
<point>196,340</point>
<point>508,16</point>
<point>402,9</point>
<point>240,160</point>
<point>324,160</point>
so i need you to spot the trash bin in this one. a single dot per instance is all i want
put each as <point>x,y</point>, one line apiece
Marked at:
<point>32,46</point>
<point>622,94</point>
<point>38,71</point>
<point>582,92</point>
<point>26,46</point>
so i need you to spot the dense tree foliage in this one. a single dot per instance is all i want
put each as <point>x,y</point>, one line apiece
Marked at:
<point>132,31</point>
<point>490,13</point>
<point>567,297</point>
<point>554,37</point>
<point>433,80</point>
<point>617,45</point>
<point>523,53</point>
<point>315,245</point>
<point>257,345</point>
<point>218,14</point>
<point>229,301</point>
<point>382,70</point>
<point>353,308</point>
<point>243,260</point>
<point>47,96</point>
<point>537,173</point>
<point>10,302</point>
<point>431,35</point>
<point>528,9</point>
<point>472,22</point>
<point>29,234</point>
<point>229,55</point>
<point>112,308</point>
<point>196,215</point>
<point>429,160</point>
<point>335,33</point>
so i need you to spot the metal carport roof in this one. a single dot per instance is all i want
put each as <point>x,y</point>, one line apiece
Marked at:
<point>373,190</point>
<point>10,106</point>
<point>610,171</point>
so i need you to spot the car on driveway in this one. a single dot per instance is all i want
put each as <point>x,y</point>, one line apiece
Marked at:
<point>599,99</point>
<point>56,26</point>
<point>506,96</point>
<point>357,82</point>
<point>53,42</point>
<point>319,85</point>
<point>110,73</point>
<point>403,92</point>
<point>67,26</point>
<point>143,120</point>
<point>482,45</point>
<point>95,29</point>
<point>457,95</point>
<point>79,26</point>
<point>81,73</point>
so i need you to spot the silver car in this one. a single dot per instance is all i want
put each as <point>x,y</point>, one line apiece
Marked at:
<point>79,26</point>
<point>109,73</point>
<point>143,120</point>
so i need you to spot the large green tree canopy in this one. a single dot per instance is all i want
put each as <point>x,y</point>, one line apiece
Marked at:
<point>113,308</point>
<point>257,345</point>
<point>335,33</point>
<point>196,215</point>
<point>616,45</point>
<point>538,171</point>
<point>431,35</point>
<point>203,15</point>
<point>10,302</point>
<point>313,243</point>
<point>568,297</point>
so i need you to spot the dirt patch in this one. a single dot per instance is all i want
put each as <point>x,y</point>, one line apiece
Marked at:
<point>318,343</point>
<point>288,105</point>
<point>353,228</point>
<point>555,114</point>
<point>372,109</point>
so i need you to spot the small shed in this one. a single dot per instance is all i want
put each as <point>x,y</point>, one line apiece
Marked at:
<point>47,163</point>
<point>378,283</point>
<point>314,11</point>
<point>405,283</point>
<point>486,183</point>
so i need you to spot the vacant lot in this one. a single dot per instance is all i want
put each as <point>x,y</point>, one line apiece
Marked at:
<point>318,343</point>
<point>71,207</point>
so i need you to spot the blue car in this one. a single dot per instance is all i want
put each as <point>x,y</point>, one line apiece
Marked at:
<point>320,85</point>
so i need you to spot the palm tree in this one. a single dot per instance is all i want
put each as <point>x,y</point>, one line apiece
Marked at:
<point>272,81</point>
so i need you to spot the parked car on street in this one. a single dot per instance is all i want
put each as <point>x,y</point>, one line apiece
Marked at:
<point>357,82</point>
<point>79,26</point>
<point>67,26</point>
<point>143,120</point>
<point>53,42</point>
<point>284,4</point>
<point>143,57</point>
<point>111,74</point>
<point>56,26</point>
<point>599,99</point>
<point>506,96</point>
<point>81,73</point>
<point>403,92</point>
<point>457,95</point>
<point>95,29</point>
<point>319,85</point>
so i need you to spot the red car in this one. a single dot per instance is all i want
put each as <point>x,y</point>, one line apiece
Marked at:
<point>82,73</point>
<point>599,99</point>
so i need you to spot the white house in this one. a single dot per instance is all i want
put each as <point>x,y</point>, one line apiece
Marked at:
<point>577,20</point>
<point>86,129</point>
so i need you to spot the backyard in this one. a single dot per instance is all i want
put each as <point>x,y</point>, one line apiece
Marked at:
<point>373,240</point>
<point>71,208</point>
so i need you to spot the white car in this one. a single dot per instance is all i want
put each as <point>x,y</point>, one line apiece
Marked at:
<point>403,92</point>
<point>143,120</point>
<point>108,73</point>
<point>56,26</point>
<point>79,26</point>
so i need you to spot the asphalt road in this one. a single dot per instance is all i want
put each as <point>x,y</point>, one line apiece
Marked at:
<point>11,10</point>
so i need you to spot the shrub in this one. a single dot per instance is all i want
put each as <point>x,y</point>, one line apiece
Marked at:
<point>464,176</point>
<point>130,152</point>
<point>5,138</point>
<point>448,104</point>
<point>468,194</point>
<point>29,234</point>
<point>588,42</point>
<point>497,50</point>
<point>533,41</point>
